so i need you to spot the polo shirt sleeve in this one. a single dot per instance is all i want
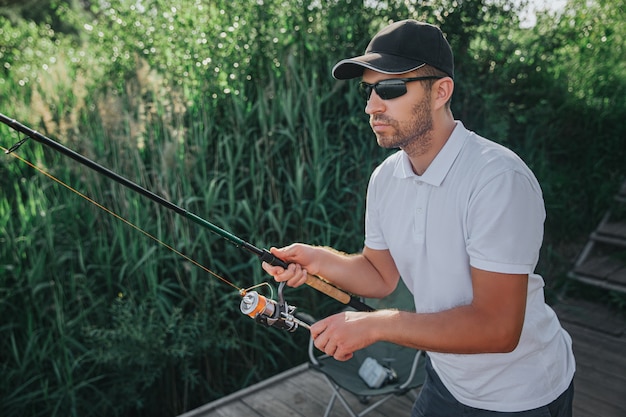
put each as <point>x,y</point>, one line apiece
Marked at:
<point>505,223</point>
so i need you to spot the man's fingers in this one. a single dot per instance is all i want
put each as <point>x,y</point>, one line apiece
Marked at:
<point>272,269</point>
<point>294,275</point>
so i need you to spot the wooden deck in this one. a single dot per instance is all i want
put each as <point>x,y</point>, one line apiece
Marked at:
<point>601,261</point>
<point>600,382</point>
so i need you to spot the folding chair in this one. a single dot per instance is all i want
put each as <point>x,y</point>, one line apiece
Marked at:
<point>407,363</point>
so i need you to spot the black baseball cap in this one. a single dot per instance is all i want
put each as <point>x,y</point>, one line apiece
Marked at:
<point>401,47</point>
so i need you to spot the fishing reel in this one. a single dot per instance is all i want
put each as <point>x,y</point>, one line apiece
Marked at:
<point>271,313</point>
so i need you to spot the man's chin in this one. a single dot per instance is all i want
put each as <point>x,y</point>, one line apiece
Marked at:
<point>386,142</point>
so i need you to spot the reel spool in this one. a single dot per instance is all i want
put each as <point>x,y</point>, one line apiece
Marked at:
<point>270,313</point>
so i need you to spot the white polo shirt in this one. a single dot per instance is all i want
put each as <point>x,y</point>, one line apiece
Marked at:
<point>477,204</point>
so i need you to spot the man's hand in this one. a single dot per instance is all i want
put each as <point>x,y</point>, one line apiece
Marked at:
<point>342,334</point>
<point>301,260</point>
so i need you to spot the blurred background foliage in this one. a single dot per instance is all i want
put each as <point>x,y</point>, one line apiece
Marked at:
<point>228,109</point>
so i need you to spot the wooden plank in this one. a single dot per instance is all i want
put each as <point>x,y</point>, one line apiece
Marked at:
<point>598,351</point>
<point>586,406</point>
<point>590,367</point>
<point>607,285</point>
<point>613,229</point>
<point>319,393</point>
<point>290,399</point>
<point>618,276</point>
<point>590,316</point>
<point>270,402</point>
<point>298,392</point>
<point>599,267</point>
<point>233,409</point>
<point>609,239</point>
<point>600,379</point>
<point>600,385</point>
<point>236,396</point>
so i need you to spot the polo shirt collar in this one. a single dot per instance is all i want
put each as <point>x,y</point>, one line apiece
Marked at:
<point>440,166</point>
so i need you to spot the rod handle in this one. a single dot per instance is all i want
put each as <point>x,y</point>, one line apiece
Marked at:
<point>330,290</point>
<point>338,294</point>
<point>311,280</point>
<point>318,283</point>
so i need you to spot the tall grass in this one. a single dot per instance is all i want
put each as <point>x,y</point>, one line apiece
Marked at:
<point>98,319</point>
<point>133,321</point>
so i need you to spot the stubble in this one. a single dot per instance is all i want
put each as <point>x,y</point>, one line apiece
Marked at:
<point>413,136</point>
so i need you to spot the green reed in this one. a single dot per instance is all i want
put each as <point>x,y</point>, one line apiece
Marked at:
<point>98,319</point>
<point>114,312</point>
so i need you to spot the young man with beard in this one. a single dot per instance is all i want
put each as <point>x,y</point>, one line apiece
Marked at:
<point>460,219</point>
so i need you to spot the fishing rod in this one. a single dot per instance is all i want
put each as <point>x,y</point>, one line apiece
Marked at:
<point>264,310</point>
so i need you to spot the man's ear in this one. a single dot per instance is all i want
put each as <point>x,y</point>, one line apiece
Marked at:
<point>443,89</point>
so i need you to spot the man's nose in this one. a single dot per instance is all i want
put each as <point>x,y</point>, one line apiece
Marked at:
<point>375,104</point>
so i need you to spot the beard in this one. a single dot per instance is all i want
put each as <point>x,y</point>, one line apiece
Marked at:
<point>412,136</point>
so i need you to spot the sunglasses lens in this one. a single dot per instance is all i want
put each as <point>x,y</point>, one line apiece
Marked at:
<point>389,89</point>
<point>386,89</point>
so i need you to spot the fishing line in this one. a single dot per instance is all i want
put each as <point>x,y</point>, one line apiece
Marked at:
<point>264,255</point>
<point>263,310</point>
<point>11,151</point>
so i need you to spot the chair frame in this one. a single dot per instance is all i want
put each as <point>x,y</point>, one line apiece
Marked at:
<point>402,388</point>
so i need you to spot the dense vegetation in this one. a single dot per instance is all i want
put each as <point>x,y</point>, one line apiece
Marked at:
<point>228,109</point>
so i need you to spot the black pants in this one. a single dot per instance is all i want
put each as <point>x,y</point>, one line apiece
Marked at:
<point>436,401</point>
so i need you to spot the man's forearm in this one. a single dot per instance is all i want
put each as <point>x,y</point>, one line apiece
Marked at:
<point>354,273</point>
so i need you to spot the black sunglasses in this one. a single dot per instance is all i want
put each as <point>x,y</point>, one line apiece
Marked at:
<point>391,88</point>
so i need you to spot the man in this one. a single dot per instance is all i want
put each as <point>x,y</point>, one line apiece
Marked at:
<point>460,219</point>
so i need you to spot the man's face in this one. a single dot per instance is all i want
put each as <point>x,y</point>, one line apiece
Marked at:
<point>404,121</point>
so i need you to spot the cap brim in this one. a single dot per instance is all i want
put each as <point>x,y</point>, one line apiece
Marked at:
<point>387,64</point>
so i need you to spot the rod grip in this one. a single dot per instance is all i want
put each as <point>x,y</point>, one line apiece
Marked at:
<point>330,290</point>
<point>318,283</point>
